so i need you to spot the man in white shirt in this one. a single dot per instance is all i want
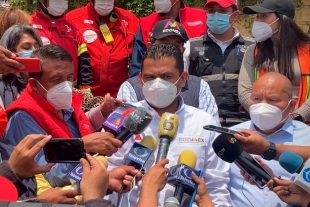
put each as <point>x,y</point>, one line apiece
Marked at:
<point>162,77</point>
<point>196,92</point>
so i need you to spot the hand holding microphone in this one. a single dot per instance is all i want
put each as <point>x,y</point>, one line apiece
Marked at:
<point>95,178</point>
<point>153,181</point>
<point>167,130</point>
<point>228,149</point>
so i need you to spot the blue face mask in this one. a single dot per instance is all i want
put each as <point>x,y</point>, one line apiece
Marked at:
<point>218,23</point>
<point>25,53</point>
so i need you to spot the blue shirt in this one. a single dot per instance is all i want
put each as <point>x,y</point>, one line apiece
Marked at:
<point>22,124</point>
<point>242,193</point>
<point>137,54</point>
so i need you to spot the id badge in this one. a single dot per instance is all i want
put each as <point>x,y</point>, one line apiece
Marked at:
<point>105,31</point>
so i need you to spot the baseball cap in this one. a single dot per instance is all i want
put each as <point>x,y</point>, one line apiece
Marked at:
<point>285,7</point>
<point>8,191</point>
<point>222,3</point>
<point>169,27</point>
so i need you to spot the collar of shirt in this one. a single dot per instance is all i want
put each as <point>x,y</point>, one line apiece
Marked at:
<point>67,113</point>
<point>287,127</point>
<point>225,44</point>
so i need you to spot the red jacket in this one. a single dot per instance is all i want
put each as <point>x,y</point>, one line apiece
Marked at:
<point>62,33</point>
<point>192,19</point>
<point>45,115</point>
<point>110,62</point>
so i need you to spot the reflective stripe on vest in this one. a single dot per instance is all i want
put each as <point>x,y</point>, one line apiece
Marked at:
<point>228,76</point>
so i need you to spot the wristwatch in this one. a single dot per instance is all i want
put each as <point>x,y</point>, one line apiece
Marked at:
<point>270,153</point>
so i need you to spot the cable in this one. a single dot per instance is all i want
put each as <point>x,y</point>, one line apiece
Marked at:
<point>244,194</point>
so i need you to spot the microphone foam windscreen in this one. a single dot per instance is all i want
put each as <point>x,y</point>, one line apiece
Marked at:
<point>188,157</point>
<point>290,161</point>
<point>103,159</point>
<point>149,142</point>
<point>137,121</point>
<point>227,147</point>
<point>172,202</point>
<point>168,125</point>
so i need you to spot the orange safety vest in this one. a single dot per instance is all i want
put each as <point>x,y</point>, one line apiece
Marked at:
<point>304,62</point>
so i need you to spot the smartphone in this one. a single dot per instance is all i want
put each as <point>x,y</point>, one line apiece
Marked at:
<point>124,103</point>
<point>64,150</point>
<point>32,65</point>
<point>258,180</point>
<point>221,130</point>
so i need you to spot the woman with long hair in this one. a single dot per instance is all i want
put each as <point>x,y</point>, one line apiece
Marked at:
<point>22,40</point>
<point>281,47</point>
<point>11,16</point>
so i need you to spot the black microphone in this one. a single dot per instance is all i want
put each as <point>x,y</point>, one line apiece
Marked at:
<point>167,130</point>
<point>135,123</point>
<point>228,149</point>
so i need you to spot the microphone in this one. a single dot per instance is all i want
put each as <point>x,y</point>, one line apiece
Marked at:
<point>180,176</point>
<point>171,202</point>
<point>114,123</point>
<point>135,123</point>
<point>75,175</point>
<point>167,130</point>
<point>140,153</point>
<point>293,163</point>
<point>228,149</point>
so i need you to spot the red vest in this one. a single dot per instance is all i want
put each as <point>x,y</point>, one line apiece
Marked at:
<point>110,62</point>
<point>45,115</point>
<point>192,19</point>
<point>62,33</point>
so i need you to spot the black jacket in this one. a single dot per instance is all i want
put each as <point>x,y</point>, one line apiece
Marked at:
<point>221,71</point>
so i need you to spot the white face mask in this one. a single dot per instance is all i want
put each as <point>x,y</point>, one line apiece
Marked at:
<point>266,116</point>
<point>160,93</point>
<point>162,6</point>
<point>262,31</point>
<point>60,95</point>
<point>57,7</point>
<point>104,7</point>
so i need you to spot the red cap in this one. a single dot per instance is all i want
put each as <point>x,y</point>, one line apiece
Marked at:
<point>8,191</point>
<point>222,3</point>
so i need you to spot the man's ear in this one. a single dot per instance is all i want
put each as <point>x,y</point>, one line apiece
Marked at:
<point>33,83</point>
<point>184,78</point>
<point>140,79</point>
<point>235,16</point>
<point>292,105</point>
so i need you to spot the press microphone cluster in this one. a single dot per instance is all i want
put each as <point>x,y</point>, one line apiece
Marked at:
<point>228,149</point>
<point>167,130</point>
<point>75,175</point>
<point>294,163</point>
<point>180,176</point>
<point>140,152</point>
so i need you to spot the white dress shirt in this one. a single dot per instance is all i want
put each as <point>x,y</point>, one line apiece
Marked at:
<point>191,122</point>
